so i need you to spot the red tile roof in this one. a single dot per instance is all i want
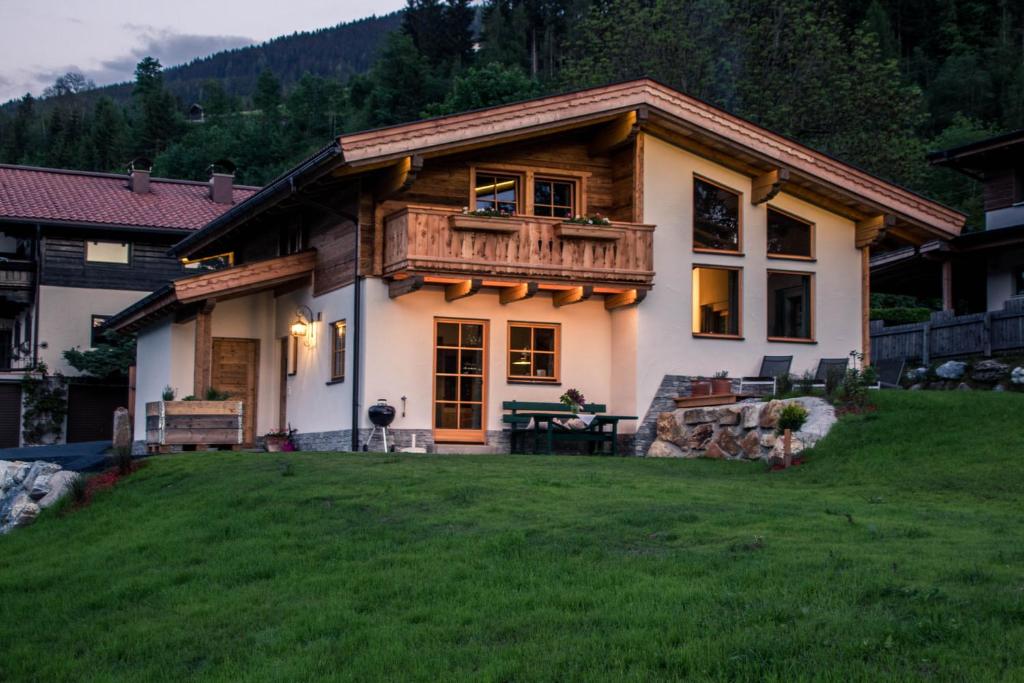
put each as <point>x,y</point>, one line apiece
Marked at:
<point>46,194</point>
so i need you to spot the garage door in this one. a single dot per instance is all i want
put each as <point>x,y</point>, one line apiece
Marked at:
<point>10,415</point>
<point>91,411</point>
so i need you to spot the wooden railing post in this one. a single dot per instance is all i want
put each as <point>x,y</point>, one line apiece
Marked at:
<point>986,335</point>
<point>926,343</point>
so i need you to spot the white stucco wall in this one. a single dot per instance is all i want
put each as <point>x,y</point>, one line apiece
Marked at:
<point>665,343</point>
<point>1002,267</point>
<point>65,318</point>
<point>399,350</point>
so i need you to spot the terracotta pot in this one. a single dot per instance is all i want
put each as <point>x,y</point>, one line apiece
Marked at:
<point>721,385</point>
<point>275,443</point>
<point>700,387</point>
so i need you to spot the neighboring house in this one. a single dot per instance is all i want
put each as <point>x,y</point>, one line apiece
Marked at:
<point>976,271</point>
<point>727,242</point>
<point>75,248</point>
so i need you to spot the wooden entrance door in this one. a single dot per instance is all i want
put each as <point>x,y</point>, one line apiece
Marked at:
<point>460,380</point>
<point>236,371</point>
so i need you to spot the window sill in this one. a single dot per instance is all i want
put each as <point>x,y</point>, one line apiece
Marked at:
<point>335,381</point>
<point>792,257</point>
<point>548,382</point>
<point>720,252</point>
<point>791,340</point>
<point>707,335</point>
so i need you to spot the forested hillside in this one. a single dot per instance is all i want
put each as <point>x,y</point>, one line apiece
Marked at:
<point>875,84</point>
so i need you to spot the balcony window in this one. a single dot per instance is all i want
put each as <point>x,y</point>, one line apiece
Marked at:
<point>107,252</point>
<point>554,197</point>
<point>716,301</point>
<point>533,350</point>
<point>788,236</point>
<point>716,217</point>
<point>495,192</point>
<point>790,305</point>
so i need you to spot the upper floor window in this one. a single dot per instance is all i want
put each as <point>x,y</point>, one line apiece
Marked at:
<point>716,217</point>
<point>96,334</point>
<point>496,192</point>
<point>338,351</point>
<point>107,252</point>
<point>553,197</point>
<point>790,305</point>
<point>293,240</point>
<point>788,236</point>
<point>716,301</point>
<point>533,352</point>
<point>208,263</point>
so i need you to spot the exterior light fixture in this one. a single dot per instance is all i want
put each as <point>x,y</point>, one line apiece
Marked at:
<point>303,326</point>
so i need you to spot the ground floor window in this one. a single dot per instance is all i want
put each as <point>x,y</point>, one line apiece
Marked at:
<point>716,301</point>
<point>533,352</point>
<point>790,305</point>
<point>338,351</point>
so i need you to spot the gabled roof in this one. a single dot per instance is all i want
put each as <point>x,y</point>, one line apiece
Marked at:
<point>667,112</point>
<point>104,199</point>
<point>983,153</point>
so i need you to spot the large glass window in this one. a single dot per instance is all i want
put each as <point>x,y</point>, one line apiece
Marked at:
<point>553,197</point>
<point>494,192</point>
<point>790,304</point>
<point>789,236</point>
<point>460,349</point>
<point>716,217</point>
<point>533,352</point>
<point>106,252</point>
<point>716,301</point>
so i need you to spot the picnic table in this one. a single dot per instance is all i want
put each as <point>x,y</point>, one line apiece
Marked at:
<point>540,420</point>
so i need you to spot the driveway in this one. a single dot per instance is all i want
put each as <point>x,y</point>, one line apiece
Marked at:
<point>87,456</point>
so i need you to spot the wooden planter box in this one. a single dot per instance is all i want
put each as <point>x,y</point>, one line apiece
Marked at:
<point>460,221</point>
<point>583,231</point>
<point>194,423</point>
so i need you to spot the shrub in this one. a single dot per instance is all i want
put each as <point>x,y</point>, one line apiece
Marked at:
<point>901,316</point>
<point>853,388</point>
<point>806,383</point>
<point>122,459</point>
<point>168,393</point>
<point>783,384</point>
<point>792,418</point>
<point>79,489</point>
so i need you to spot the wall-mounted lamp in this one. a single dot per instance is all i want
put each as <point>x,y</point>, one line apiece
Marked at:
<point>303,326</point>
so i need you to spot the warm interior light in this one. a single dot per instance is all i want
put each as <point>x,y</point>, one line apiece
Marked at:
<point>523,360</point>
<point>299,328</point>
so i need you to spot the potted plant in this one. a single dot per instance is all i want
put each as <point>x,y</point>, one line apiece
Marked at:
<point>700,386</point>
<point>574,400</point>
<point>278,440</point>
<point>720,383</point>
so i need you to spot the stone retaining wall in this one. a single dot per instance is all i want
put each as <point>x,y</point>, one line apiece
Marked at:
<point>28,487</point>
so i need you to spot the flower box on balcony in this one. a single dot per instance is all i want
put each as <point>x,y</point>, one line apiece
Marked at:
<point>584,231</point>
<point>205,423</point>
<point>462,221</point>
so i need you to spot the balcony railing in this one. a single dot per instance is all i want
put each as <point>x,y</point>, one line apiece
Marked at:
<point>432,239</point>
<point>16,274</point>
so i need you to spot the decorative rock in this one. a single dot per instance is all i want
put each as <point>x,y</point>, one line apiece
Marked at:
<point>700,436</point>
<point>820,418</point>
<point>60,484</point>
<point>22,484</point>
<point>964,387</point>
<point>750,446</point>
<point>917,374</point>
<point>668,428</point>
<point>999,387</point>
<point>768,440</point>
<point>22,511</point>
<point>779,450</point>
<point>951,369</point>
<point>664,449</point>
<point>699,415</point>
<point>917,387</point>
<point>729,415</point>
<point>727,442</point>
<point>1017,376</point>
<point>769,417</point>
<point>751,413</point>
<point>989,371</point>
<point>715,452</point>
<point>122,430</point>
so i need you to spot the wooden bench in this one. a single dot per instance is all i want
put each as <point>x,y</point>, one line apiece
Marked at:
<point>527,418</point>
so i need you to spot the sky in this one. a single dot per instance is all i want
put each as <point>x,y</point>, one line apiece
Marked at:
<point>104,39</point>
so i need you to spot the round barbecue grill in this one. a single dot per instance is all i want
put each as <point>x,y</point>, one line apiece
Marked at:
<point>381,415</point>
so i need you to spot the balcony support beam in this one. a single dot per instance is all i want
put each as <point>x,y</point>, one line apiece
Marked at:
<point>461,290</point>
<point>870,231</point>
<point>398,177</point>
<point>518,292</point>
<point>621,131</point>
<point>575,295</point>
<point>397,288</point>
<point>767,185</point>
<point>623,299</point>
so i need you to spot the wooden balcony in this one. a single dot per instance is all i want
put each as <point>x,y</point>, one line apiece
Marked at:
<point>433,240</point>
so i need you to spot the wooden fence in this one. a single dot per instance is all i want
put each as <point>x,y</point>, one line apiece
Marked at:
<point>947,335</point>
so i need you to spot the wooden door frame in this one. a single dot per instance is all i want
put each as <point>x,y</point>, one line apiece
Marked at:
<point>452,435</point>
<point>284,346</point>
<point>254,409</point>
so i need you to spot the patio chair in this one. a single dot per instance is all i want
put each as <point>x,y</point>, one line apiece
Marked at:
<point>772,367</point>
<point>828,366</point>
<point>889,373</point>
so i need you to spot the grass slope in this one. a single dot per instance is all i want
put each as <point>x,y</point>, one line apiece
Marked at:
<point>896,553</point>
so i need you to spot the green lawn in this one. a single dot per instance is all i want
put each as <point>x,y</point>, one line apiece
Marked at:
<point>896,553</point>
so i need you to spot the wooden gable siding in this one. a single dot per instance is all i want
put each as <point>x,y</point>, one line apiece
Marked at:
<point>149,268</point>
<point>999,190</point>
<point>335,241</point>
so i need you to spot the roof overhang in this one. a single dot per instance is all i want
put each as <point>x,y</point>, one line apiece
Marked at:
<point>219,285</point>
<point>667,113</point>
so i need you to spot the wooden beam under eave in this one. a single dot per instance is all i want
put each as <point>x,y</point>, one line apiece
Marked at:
<point>202,375</point>
<point>399,177</point>
<point>518,293</point>
<point>461,290</point>
<point>623,299</point>
<point>572,296</point>
<point>397,288</point>
<point>870,231</point>
<point>767,185</point>
<point>619,132</point>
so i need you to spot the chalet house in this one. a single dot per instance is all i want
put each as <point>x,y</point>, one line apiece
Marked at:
<point>726,242</point>
<point>75,248</point>
<point>977,271</point>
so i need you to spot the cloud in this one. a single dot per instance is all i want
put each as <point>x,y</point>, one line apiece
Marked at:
<point>169,46</point>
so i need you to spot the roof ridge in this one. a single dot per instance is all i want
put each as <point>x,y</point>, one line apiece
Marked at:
<point>113,176</point>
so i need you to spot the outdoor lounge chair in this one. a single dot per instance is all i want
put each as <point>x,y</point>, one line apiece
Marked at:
<point>772,367</point>
<point>889,373</point>
<point>828,366</point>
